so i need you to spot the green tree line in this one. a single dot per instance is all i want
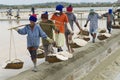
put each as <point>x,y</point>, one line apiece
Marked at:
<point>53,4</point>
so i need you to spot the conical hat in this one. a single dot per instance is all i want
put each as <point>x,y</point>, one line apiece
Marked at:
<point>80,42</point>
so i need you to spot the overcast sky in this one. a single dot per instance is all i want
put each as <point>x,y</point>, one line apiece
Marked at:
<point>19,2</point>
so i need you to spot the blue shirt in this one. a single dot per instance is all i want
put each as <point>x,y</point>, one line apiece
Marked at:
<point>33,36</point>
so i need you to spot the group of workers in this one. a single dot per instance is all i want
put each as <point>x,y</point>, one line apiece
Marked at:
<point>62,24</point>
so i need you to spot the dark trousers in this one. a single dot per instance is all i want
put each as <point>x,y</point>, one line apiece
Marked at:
<point>109,26</point>
<point>33,54</point>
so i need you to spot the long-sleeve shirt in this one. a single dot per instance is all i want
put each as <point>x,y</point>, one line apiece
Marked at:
<point>94,20</point>
<point>48,28</point>
<point>33,36</point>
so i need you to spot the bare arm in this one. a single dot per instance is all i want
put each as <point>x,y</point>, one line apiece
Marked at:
<point>86,23</point>
<point>76,22</point>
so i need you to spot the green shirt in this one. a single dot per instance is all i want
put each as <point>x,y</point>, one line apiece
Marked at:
<point>47,27</point>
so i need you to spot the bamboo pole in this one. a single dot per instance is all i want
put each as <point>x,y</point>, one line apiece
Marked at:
<point>41,23</point>
<point>29,24</point>
<point>18,26</point>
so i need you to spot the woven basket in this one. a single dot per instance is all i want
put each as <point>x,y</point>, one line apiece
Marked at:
<point>40,55</point>
<point>40,52</point>
<point>86,33</point>
<point>102,37</point>
<point>86,39</point>
<point>102,31</point>
<point>15,65</point>
<point>53,59</point>
<point>115,27</point>
<point>74,45</point>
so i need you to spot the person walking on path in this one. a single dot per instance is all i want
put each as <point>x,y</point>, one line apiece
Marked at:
<point>34,32</point>
<point>93,18</point>
<point>110,19</point>
<point>33,10</point>
<point>60,20</point>
<point>9,13</point>
<point>18,14</point>
<point>72,19</point>
<point>48,27</point>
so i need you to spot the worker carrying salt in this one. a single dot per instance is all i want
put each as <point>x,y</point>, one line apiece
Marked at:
<point>93,18</point>
<point>33,32</point>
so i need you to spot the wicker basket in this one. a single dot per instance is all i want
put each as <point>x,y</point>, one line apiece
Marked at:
<point>74,45</point>
<point>53,59</point>
<point>15,65</point>
<point>115,27</point>
<point>102,37</point>
<point>102,31</point>
<point>40,55</point>
<point>86,39</point>
<point>86,33</point>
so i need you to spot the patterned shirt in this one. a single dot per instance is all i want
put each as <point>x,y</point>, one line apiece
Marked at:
<point>93,18</point>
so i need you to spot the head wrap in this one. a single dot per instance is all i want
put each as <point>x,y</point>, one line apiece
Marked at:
<point>69,8</point>
<point>44,15</point>
<point>33,18</point>
<point>110,11</point>
<point>59,8</point>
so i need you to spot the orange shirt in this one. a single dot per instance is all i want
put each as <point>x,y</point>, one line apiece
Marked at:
<point>60,21</point>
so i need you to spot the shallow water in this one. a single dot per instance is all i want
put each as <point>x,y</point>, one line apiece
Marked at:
<point>20,46</point>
